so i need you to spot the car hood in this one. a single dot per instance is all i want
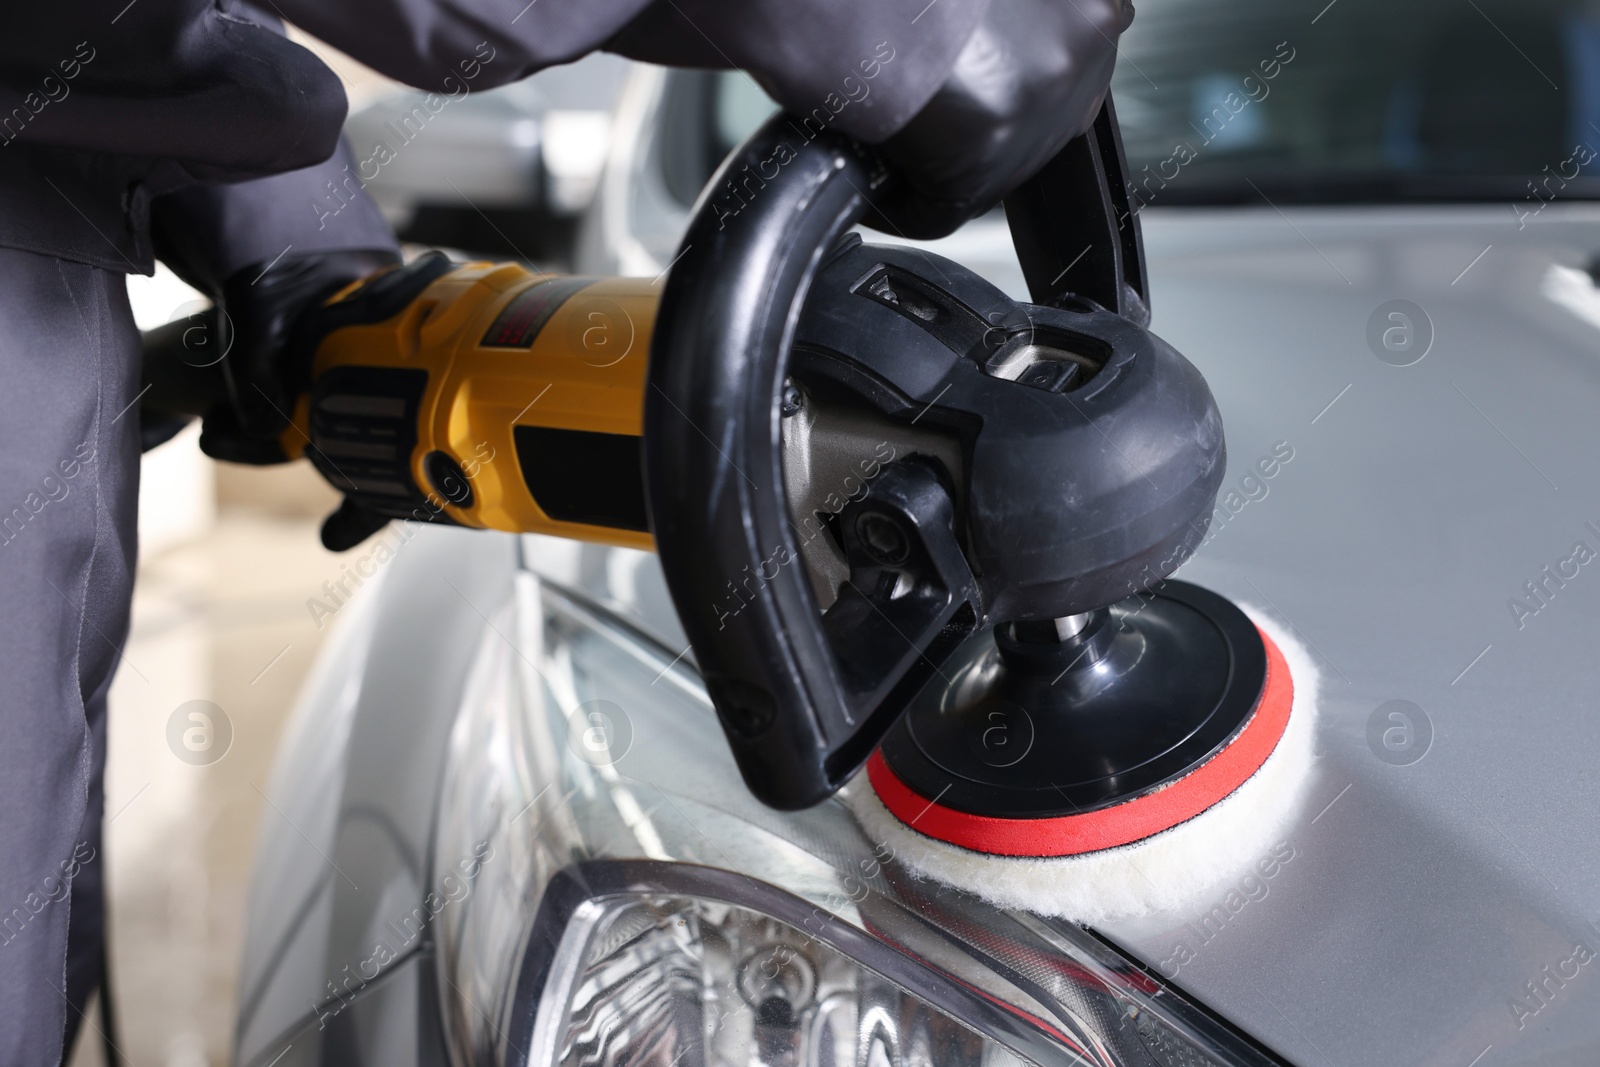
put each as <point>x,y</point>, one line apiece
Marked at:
<point>1441,869</point>
<point>1438,901</point>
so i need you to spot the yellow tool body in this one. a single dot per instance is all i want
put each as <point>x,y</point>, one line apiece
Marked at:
<point>499,398</point>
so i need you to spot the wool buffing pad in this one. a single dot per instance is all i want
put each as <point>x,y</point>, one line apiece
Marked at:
<point>1149,851</point>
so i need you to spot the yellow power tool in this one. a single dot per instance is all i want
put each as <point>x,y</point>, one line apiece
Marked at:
<point>500,397</point>
<point>487,395</point>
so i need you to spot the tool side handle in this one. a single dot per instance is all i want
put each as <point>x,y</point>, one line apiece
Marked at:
<point>1075,230</point>
<point>713,476</point>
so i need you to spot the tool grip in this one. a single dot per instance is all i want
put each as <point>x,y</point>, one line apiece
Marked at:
<point>713,474</point>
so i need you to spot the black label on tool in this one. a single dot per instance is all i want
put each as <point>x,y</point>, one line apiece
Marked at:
<point>584,476</point>
<point>521,320</point>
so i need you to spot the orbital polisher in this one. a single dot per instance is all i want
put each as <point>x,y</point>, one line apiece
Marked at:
<point>907,522</point>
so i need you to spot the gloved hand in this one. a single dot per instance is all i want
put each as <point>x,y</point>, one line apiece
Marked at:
<point>1031,77</point>
<point>245,369</point>
<point>261,372</point>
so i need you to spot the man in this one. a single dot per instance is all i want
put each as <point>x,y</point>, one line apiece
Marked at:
<point>193,131</point>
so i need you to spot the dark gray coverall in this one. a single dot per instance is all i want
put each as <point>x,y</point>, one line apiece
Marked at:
<point>126,127</point>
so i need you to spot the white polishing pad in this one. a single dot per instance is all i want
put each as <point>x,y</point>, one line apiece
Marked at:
<point>1161,872</point>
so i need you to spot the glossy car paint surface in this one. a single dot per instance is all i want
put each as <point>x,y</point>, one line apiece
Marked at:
<point>1424,896</point>
<point>343,864</point>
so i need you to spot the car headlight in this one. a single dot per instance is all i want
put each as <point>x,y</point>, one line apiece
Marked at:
<point>685,977</point>
<point>606,893</point>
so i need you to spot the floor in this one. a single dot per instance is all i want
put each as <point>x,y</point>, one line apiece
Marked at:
<point>219,618</point>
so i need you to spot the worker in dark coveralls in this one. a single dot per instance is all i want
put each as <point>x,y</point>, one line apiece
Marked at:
<point>195,132</point>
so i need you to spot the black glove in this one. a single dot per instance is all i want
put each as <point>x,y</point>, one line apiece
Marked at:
<point>243,364</point>
<point>261,374</point>
<point>1031,77</point>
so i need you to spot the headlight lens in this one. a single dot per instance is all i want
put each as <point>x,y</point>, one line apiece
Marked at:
<point>610,895</point>
<point>683,980</point>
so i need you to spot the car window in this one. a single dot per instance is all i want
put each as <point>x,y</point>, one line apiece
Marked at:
<point>741,106</point>
<point>1236,100</point>
<point>1358,99</point>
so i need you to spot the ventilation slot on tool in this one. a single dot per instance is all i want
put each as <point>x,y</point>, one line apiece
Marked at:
<point>363,431</point>
<point>952,323</point>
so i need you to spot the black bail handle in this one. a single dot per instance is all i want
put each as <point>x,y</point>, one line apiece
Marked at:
<point>804,698</point>
<point>713,472</point>
<point>1075,229</point>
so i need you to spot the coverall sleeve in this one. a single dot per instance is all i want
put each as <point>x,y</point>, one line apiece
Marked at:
<point>200,84</point>
<point>208,233</point>
<point>886,56</point>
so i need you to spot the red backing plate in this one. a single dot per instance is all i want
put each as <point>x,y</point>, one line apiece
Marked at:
<point>1119,824</point>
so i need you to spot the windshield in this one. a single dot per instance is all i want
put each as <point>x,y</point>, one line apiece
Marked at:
<point>1223,100</point>
<point>1304,101</point>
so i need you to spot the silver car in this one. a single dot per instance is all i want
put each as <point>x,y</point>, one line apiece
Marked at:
<point>514,833</point>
